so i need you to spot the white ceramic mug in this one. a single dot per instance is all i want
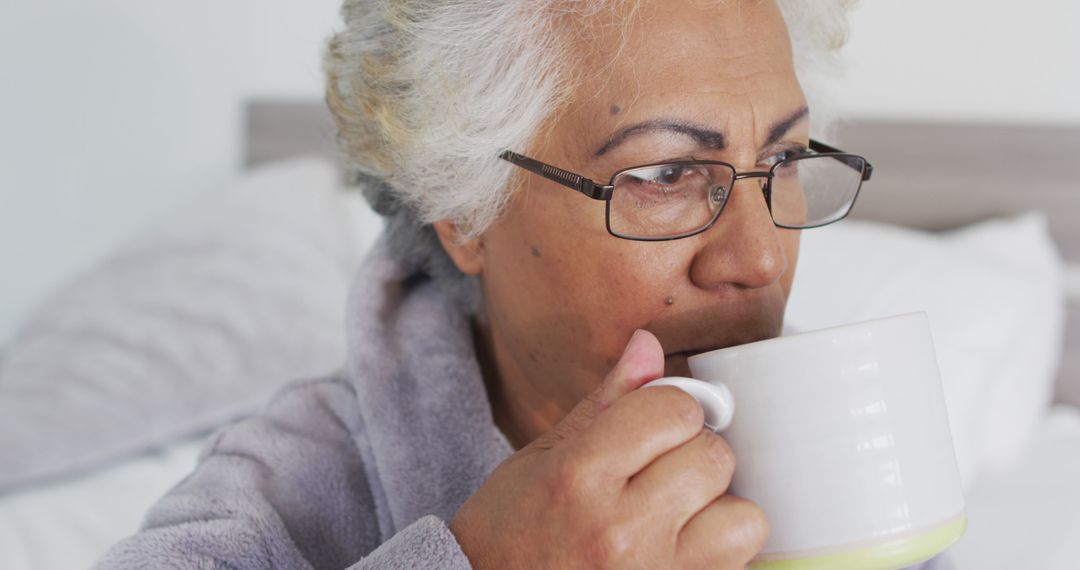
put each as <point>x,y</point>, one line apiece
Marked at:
<point>842,438</point>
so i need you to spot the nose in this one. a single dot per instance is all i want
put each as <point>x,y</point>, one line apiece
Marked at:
<point>743,248</point>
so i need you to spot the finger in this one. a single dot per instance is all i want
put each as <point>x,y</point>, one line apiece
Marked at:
<point>636,430</point>
<point>726,534</point>
<point>685,480</point>
<point>642,360</point>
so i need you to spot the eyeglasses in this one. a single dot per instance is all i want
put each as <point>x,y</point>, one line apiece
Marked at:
<point>672,200</point>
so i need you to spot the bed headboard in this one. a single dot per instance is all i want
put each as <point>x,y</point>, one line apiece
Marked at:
<point>926,175</point>
<point>990,170</point>
<point>280,129</point>
<point>942,175</point>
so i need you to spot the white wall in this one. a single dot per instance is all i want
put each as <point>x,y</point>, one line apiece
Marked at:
<point>114,112</point>
<point>983,60</point>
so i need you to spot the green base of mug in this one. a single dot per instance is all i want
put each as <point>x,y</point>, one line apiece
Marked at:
<point>889,554</point>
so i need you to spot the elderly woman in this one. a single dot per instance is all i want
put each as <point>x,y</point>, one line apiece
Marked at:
<point>580,195</point>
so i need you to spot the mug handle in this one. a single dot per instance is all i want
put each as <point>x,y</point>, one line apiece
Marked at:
<point>715,399</point>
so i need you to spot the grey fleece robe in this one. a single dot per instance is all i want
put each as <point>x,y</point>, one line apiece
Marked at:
<point>360,470</point>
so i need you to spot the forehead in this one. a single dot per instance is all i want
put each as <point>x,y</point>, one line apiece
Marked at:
<point>723,63</point>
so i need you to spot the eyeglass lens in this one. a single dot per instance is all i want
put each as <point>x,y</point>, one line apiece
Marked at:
<point>675,199</point>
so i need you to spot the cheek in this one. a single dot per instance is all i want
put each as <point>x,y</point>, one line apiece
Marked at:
<point>600,280</point>
<point>558,281</point>
<point>790,240</point>
<point>535,274</point>
<point>640,277</point>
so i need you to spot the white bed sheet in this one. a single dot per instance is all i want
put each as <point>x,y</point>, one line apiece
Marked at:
<point>70,523</point>
<point>1027,516</point>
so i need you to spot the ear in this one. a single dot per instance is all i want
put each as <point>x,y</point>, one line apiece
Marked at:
<point>466,254</point>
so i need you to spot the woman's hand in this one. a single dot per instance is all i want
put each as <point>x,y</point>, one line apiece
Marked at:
<point>628,479</point>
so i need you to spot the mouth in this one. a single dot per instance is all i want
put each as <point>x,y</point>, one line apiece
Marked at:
<point>747,339</point>
<point>677,363</point>
<point>689,334</point>
<point>691,338</point>
<point>688,353</point>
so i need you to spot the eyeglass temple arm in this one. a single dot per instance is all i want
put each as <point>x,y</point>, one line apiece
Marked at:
<point>568,179</point>
<point>818,146</point>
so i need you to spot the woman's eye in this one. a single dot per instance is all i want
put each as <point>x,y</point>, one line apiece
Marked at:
<point>666,179</point>
<point>786,154</point>
<point>669,175</point>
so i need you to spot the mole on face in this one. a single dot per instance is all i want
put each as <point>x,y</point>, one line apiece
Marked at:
<point>535,251</point>
<point>615,109</point>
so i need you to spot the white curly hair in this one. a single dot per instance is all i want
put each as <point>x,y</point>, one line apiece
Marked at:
<point>427,93</point>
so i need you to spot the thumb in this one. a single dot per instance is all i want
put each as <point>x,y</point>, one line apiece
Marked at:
<point>642,360</point>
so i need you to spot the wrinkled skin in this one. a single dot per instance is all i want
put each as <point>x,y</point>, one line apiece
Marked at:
<point>562,297</point>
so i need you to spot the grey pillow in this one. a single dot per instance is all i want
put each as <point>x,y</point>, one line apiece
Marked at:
<point>189,326</point>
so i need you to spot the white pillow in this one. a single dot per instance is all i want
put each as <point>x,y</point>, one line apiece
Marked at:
<point>993,294</point>
<point>189,326</point>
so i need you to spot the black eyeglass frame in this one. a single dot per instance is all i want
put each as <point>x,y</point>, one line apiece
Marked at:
<point>598,191</point>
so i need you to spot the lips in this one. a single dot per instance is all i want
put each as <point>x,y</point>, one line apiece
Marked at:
<point>736,341</point>
<point>734,321</point>
<point>678,363</point>
<point>695,352</point>
<point>692,352</point>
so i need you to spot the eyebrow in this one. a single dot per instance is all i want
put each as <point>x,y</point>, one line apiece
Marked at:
<point>781,127</point>
<point>704,136</point>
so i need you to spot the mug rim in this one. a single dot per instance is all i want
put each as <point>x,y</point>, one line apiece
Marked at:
<point>826,331</point>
